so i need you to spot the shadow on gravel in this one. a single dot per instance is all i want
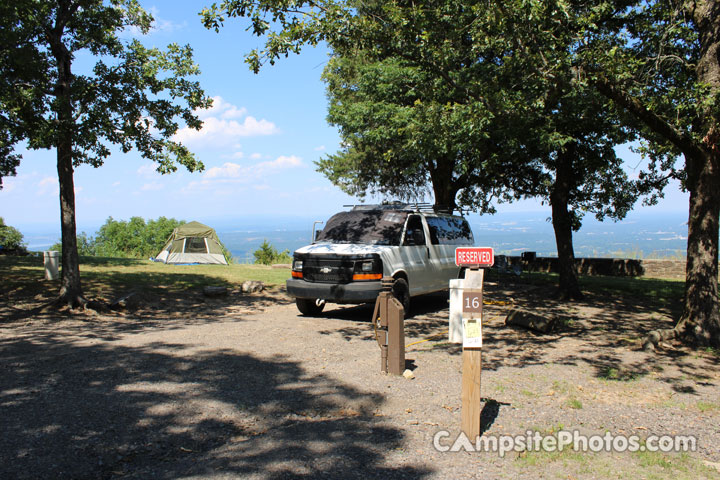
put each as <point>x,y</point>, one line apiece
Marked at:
<point>103,411</point>
<point>489,413</point>
<point>428,313</point>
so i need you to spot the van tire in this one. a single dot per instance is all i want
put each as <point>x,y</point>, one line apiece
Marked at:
<point>401,291</point>
<point>309,306</point>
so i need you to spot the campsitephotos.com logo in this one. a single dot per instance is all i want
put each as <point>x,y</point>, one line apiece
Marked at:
<point>534,441</point>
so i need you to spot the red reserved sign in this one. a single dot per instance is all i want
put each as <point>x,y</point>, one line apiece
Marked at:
<point>474,257</point>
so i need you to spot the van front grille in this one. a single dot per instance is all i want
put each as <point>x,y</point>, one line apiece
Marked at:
<point>328,270</point>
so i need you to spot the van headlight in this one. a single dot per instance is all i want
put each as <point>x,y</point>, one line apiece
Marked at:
<point>297,269</point>
<point>368,269</point>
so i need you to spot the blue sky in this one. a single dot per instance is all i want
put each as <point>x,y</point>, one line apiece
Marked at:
<point>258,145</point>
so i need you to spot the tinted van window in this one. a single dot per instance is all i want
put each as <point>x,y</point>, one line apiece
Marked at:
<point>449,231</point>
<point>372,227</point>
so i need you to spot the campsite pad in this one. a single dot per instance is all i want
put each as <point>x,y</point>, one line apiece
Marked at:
<point>244,387</point>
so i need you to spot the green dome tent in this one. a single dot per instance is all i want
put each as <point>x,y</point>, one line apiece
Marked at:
<point>192,243</point>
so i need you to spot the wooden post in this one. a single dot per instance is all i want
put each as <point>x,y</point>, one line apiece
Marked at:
<point>471,404</point>
<point>472,357</point>
<point>396,337</point>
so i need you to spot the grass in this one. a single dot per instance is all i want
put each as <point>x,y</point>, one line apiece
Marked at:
<point>611,373</point>
<point>25,275</point>
<point>649,465</point>
<point>707,406</point>
<point>661,290</point>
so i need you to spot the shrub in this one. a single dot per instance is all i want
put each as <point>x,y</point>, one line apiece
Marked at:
<point>133,238</point>
<point>267,255</point>
<point>10,238</point>
<point>86,245</point>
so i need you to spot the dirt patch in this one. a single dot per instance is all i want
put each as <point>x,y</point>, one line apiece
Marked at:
<point>183,386</point>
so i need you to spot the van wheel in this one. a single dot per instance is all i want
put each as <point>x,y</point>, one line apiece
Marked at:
<point>401,291</point>
<point>308,306</point>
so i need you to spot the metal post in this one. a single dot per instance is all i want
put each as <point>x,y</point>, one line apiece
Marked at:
<point>312,235</point>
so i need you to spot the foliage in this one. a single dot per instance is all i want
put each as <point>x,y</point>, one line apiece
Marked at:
<point>269,255</point>
<point>126,239</point>
<point>86,245</point>
<point>658,63</point>
<point>10,237</point>
<point>123,99</point>
<point>404,132</point>
<point>134,238</point>
<point>133,96</point>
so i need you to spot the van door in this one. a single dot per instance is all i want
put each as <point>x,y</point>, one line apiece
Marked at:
<point>446,233</point>
<point>442,255</point>
<point>414,254</point>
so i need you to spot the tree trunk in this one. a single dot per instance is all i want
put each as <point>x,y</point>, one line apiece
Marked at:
<point>700,321</point>
<point>444,188</point>
<point>568,287</point>
<point>70,289</point>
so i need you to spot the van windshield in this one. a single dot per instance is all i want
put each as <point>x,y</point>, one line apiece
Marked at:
<point>370,227</point>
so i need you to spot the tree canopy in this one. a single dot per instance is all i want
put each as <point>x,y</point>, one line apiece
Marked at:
<point>413,115</point>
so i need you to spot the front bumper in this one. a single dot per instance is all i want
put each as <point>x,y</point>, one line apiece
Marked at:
<point>356,292</point>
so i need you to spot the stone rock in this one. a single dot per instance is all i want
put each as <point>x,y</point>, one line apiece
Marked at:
<point>408,374</point>
<point>211,291</point>
<point>525,319</point>
<point>252,286</point>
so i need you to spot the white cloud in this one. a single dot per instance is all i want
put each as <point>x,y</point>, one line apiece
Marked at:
<point>9,184</point>
<point>321,148</point>
<point>235,173</point>
<point>281,162</point>
<point>228,170</point>
<point>234,156</point>
<point>222,127</point>
<point>256,156</point>
<point>151,187</point>
<point>159,25</point>
<point>148,170</point>
<point>235,170</point>
<point>221,108</point>
<point>48,186</point>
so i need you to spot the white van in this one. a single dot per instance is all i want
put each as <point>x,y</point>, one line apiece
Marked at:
<point>413,244</point>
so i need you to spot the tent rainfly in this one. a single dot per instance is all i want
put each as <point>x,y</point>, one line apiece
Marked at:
<point>192,243</point>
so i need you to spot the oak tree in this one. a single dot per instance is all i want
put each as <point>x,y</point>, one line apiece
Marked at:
<point>133,97</point>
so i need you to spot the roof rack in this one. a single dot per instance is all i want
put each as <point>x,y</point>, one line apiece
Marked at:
<point>411,206</point>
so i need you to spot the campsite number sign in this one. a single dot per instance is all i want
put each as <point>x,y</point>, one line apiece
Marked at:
<point>472,301</point>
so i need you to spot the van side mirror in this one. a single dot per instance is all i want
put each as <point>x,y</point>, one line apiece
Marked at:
<point>317,234</point>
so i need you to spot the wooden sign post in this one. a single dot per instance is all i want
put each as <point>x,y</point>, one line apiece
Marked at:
<point>472,302</point>
<point>471,362</point>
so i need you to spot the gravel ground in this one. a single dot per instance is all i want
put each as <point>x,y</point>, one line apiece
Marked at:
<point>244,387</point>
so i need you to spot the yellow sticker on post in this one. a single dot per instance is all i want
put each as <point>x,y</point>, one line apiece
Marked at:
<point>472,333</point>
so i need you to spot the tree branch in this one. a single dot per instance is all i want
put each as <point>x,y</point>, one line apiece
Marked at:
<point>655,122</point>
